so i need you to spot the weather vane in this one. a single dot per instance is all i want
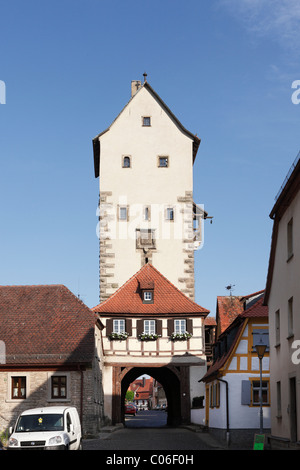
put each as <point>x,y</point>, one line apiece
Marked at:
<point>230,288</point>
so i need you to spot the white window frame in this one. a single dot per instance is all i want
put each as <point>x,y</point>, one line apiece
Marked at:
<point>255,391</point>
<point>179,326</point>
<point>170,214</point>
<point>148,296</point>
<point>149,327</point>
<point>119,326</point>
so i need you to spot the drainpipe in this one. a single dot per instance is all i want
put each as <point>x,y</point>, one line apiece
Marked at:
<point>227,412</point>
<point>81,394</point>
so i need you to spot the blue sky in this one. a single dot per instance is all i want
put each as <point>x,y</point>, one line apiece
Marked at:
<point>224,67</point>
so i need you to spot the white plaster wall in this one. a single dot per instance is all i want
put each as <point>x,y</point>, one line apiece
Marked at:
<point>146,184</point>
<point>240,416</point>
<point>285,284</point>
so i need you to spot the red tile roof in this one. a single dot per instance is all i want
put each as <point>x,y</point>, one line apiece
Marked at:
<point>258,310</point>
<point>45,325</point>
<point>228,308</point>
<point>143,391</point>
<point>168,299</point>
<point>210,321</point>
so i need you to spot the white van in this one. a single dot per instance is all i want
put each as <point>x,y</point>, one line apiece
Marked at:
<point>51,428</point>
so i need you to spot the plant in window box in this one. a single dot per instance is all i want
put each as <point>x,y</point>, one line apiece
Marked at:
<point>118,336</point>
<point>180,336</point>
<point>148,336</point>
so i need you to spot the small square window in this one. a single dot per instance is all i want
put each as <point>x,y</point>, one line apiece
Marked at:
<point>59,386</point>
<point>163,162</point>
<point>147,121</point>
<point>148,296</point>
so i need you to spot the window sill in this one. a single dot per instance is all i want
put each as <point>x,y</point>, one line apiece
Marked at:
<point>55,400</point>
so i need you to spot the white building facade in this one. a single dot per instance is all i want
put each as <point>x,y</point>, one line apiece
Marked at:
<point>283,300</point>
<point>232,401</point>
<point>144,162</point>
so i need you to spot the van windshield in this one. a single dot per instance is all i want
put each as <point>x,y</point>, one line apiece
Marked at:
<point>41,422</point>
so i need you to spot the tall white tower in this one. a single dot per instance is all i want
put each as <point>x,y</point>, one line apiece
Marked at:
<point>144,161</point>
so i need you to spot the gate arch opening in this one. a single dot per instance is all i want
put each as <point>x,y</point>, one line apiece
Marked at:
<point>170,382</point>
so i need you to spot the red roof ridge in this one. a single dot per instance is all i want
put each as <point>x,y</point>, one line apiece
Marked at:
<point>46,286</point>
<point>150,267</point>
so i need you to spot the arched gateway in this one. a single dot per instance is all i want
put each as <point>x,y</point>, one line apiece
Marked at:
<point>162,337</point>
<point>174,382</point>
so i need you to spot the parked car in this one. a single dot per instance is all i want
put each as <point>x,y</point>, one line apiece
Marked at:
<point>130,410</point>
<point>50,428</point>
<point>133,404</point>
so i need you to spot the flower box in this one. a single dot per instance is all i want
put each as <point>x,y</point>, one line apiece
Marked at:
<point>148,337</point>
<point>180,336</point>
<point>118,336</point>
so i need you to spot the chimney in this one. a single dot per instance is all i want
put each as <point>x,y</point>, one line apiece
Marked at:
<point>135,85</point>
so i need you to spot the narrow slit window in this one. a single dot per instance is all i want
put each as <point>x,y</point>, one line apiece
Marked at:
<point>290,239</point>
<point>170,213</point>
<point>123,212</point>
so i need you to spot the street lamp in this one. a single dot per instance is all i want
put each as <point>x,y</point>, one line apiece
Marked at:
<point>260,350</point>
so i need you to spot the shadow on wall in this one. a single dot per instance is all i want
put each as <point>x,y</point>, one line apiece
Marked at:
<point>78,382</point>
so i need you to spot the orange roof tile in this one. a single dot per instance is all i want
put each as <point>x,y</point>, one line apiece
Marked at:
<point>168,299</point>
<point>257,310</point>
<point>228,308</point>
